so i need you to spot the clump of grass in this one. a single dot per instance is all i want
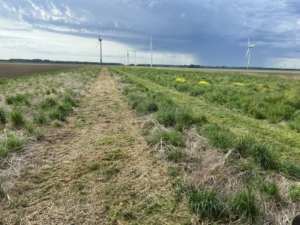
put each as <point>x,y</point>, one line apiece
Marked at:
<point>16,117</point>
<point>60,112</point>
<point>294,192</point>
<point>40,118</point>
<point>17,99</point>
<point>271,188</point>
<point>243,203</point>
<point>179,118</point>
<point>290,169</point>
<point>56,123</point>
<point>174,138</point>
<point>219,137</point>
<point>248,169</point>
<point>173,171</point>
<point>173,154</point>
<point>3,152</point>
<point>29,127</point>
<point>13,143</point>
<point>206,203</point>
<point>68,99</point>
<point>264,157</point>
<point>48,103</point>
<point>38,135</point>
<point>3,119</point>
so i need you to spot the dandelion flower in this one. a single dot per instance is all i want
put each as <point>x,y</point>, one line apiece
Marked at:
<point>202,82</point>
<point>239,84</point>
<point>181,80</point>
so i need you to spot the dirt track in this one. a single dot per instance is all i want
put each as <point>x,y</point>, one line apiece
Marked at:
<point>11,70</point>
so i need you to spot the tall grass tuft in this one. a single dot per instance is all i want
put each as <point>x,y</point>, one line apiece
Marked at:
<point>40,118</point>
<point>174,138</point>
<point>48,103</point>
<point>179,117</point>
<point>3,119</point>
<point>243,203</point>
<point>206,203</point>
<point>219,137</point>
<point>17,99</point>
<point>16,117</point>
<point>13,143</point>
<point>294,192</point>
<point>271,188</point>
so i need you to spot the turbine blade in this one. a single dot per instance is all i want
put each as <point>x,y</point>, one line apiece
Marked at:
<point>97,44</point>
<point>247,52</point>
<point>248,42</point>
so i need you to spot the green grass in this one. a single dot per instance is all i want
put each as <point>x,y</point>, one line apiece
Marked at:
<point>18,99</point>
<point>257,133</point>
<point>271,188</point>
<point>3,119</point>
<point>40,118</point>
<point>16,117</point>
<point>13,142</point>
<point>173,138</point>
<point>174,171</point>
<point>244,203</point>
<point>206,203</point>
<point>294,192</point>
<point>40,99</point>
<point>173,154</point>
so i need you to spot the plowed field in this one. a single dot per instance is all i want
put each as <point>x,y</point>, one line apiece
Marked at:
<point>11,70</point>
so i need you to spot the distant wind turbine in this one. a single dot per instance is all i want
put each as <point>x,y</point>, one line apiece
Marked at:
<point>135,58</point>
<point>249,52</point>
<point>127,57</point>
<point>151,49</point>
<point>100,40</point>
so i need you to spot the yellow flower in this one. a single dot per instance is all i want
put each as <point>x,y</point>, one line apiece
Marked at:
<point>290,95</point>
<point>181,80</point>
<point>239,84</point>
<point>202,82</point>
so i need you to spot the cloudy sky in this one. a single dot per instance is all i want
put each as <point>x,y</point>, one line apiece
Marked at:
<point>205,32</point>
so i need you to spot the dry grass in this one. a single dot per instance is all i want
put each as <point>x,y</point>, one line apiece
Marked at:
<point>94,170</point>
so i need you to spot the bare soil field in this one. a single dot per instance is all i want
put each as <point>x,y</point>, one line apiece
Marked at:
<point>11,70</point>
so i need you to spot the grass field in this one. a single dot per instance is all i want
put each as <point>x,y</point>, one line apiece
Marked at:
<point>202,148</point>
<point>250,120</point>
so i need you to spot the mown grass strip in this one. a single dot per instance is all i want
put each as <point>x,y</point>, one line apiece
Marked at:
<point>279,138</point>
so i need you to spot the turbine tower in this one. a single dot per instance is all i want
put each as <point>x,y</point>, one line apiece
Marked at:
<point>151,49</point>
<point>135,58</point>
<point>100,40</point>
<point>249,52</point>
<point>127,57</point>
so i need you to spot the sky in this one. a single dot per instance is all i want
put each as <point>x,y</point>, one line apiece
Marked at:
<point>202,32</point>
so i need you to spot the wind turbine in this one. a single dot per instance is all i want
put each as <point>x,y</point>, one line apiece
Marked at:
<point>127,57</point>
<point>135,58</point>
<point>249,52</point>
<point>100,40</point>
<point>151,49</point>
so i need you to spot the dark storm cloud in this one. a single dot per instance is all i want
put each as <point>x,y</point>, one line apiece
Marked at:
<point>212,29</point>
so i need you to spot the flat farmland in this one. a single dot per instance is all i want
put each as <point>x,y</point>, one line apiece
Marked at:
<point>11,70</point>
<point>280,73</point>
